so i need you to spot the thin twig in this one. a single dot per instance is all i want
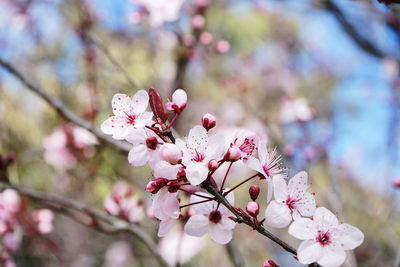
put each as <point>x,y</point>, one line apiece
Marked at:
<point>112,225</point>
<point>62,109</point>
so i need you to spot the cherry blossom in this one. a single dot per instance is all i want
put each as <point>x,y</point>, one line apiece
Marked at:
<point>246,141</point>
<point>170,153</point>
<point>178,103</point>
<point>10,205</point>
<point>325,239</point>
<point>44,220</point>
<point>208,121</point>
<point>268,164</point>
<point>291,201</point>
<point>56,152</point>
<point>161,11</point>
<point>145,144</point>
<point>211,218</point>
<point>123,203</point>
<point>198,151</point>
<point>129,113</point>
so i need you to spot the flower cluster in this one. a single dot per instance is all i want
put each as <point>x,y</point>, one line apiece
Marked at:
<point>14,221</point>
<point>186,166</point>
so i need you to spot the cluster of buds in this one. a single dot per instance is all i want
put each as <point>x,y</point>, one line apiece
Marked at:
<point>191,162</point>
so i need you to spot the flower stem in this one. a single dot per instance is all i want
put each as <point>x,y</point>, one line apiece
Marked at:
<point>195,194</point>
<point>226,175</point>
<point>241,183</point>
<point>195,203</point>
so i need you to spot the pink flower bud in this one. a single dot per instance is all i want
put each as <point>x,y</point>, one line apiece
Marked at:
<point>213,164</point>
<point>198,21</point>
<point>44,219</point>
<point>254,191</point>
<point>233,154</point>
<point>206,38</point>
<point>396,182</point>
<point>155,185</point>
<point>253,208</point>
<point>269,263</point>
<point>181,175</point>
<point>173,187</point>
<point>170,153</point>
<point>179,100</point>
<point>208,121</point>
<point>223,46</point>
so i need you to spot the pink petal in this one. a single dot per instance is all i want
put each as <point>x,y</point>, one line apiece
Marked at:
<point>196,173</point>
<point>306,205</point>
<point>202,208</point>
<point>138,155</point>
<point>277,215</point>
<point>115,126</point>
<point>165,227</point>
<point>179,97</point>
<point>219,234</point>
<point>324,219</point>
<point>298,184</point>
<point>280,188</point>
<point>197,139</point>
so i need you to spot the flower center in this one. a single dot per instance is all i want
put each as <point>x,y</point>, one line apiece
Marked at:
<point>198,157</point>
<point>248,146</point>
<point>130,119</point>
<point>291,203</point>
<point>152,142</point>
<point>215,216</point>
<point>324,238</point>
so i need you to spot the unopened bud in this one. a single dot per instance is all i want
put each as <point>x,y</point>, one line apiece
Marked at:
<point>233,154</point>
<point>254,191</point>
<point>396,182</point>
<point>178,103</point>
<point>269,263</point>
<point>155,185</point>
<point>173,186</point>
<point>181,175</point>
<point>213,164</point>
<point>208,121</point>
<point>253,208</point>
<point>170,153</point>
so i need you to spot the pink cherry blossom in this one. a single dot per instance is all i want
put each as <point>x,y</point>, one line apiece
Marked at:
<point>178,247</point>
<point>83,138</point>
<point>211,218</point>
<point>44,220</point>
<point>295,110</point>
<point>118,254</point>
<point>198,151</point>
<point>178,103</point>
<point>56,152</point>
<point>268,164</point>
<point>291,201</point>
<point>246,141</point>
<point>10,205</point>
<point>129,113</point>
<point>325,239</point>
<point>123,203</point>
<point>208,121</point>
<point>145,144</point>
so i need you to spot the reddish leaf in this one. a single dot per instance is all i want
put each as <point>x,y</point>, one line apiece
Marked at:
<point>157,106</point>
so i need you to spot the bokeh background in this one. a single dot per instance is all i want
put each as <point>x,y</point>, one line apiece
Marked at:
<point>318,78</point>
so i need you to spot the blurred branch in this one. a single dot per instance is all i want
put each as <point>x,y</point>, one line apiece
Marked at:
<point>234,254</point>
<point>365,44</point>
<point>389,2</point>
<point>62,109</point>
<point>110,225</point>
<point>114,61</point>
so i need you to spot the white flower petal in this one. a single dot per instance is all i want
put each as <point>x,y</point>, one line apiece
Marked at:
<point>324,219</point>
<point>197,139</point>
<point>331,257</point>
<point>309,251</point>
<point>165,205</point>
<point>115,126</point>
<point>197,225</point>
<point>215,147</point>
<point>277,215</point>
<point>262,152</point>
<point>280,188</point>
<point>270,188</point>
<point>219,234</point>
<point>121,104</point>
<point>350,236</point>
<point>255,164</point>
<point>138,155</point>
<point>202,208</point>
<point>179,97</point>
<point>165,226</point>
<point>196,173</point>
<point>303,229</point>
<point>306,205</point>
<point>139,102</point>
<point>165,170</point>
<point>298,184</point>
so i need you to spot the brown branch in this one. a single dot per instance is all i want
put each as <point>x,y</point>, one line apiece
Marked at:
<point>62,109</point>
<point>94,218</point>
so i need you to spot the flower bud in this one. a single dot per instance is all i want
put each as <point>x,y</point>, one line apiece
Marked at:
<point>178,103</point>
<point>269,263</point>
<point>170,153</point>
<point>254,191</point>
<point>173,186</point>
<point>208,121</point>
<point>253,208</point>
<point>396,182</point>
<point>233,154</point>
<point>155,185</point>
<point>213,164</point>
<point>198,21</point>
